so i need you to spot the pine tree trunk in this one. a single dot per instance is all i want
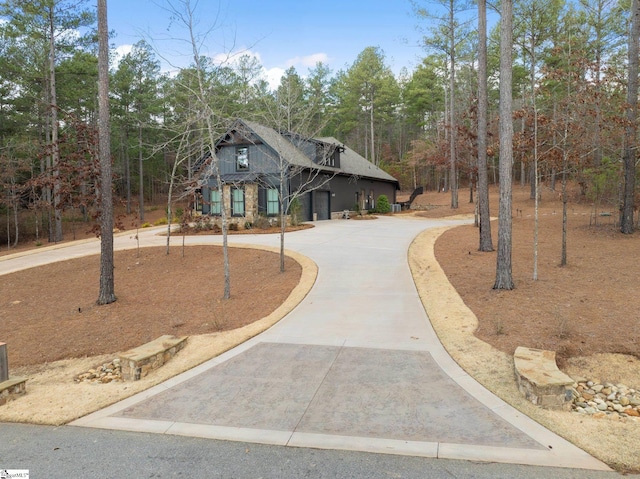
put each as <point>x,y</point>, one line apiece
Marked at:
<point>124,147</point>
<point>504,279</point>
<point>486,243</point>
<point>141,186</point>
<point>565,165</point>
<point>16,224</point>
<point>626,220</point>
<point>452,122</point>
<point>55,151</point>
<point>373,147</point>
<point>106,294</point>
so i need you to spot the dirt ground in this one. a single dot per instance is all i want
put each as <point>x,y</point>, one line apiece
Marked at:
<point>65,323</point>
<point>43,322</point>
<point>585,308</point>
<point>585,311</point>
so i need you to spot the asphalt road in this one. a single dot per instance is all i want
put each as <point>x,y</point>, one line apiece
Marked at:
<point>70,452</point>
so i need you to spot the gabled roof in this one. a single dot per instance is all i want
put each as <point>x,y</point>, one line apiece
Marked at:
<point>351,163</point>
<point>354,164</point>
<point>279,143</point>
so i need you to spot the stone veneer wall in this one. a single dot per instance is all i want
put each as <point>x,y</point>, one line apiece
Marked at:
<point>250,205</point>
<point>136,363</point>
<point>12,388</point>
<point>540,380</point>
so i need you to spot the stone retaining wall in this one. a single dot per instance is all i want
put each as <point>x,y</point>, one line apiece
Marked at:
<point>540,380</point>
<point>11,389</point>
<point>138,362</point>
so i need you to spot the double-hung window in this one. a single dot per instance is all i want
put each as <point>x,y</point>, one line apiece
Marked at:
<point>237,201</point>
<point>273,202</point>
<point>216,202</point>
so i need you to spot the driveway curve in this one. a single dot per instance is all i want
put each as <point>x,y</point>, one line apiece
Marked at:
<point>355,366</point>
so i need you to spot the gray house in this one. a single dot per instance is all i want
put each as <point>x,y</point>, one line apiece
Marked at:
<point>260,169</point>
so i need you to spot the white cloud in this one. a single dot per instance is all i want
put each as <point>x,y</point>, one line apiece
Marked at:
<point>274,75</point>
<point>229,59</point>
<point>120,52</point>
<point>301,64</point>
<point>308,60</point>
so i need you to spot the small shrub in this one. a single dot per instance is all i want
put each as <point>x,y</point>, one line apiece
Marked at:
<point>233,227</point>
<point>248,225</point>
<point>295,210</point>
<point>160,221</point>
<point>203,223</point>
<point>146,224</point>
<point>216,229</point>
<point>383,206</point>
<point>179,213</point>
<point>262,222</point>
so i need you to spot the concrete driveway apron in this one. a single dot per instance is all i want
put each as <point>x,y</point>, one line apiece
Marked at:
<point>356,365</point>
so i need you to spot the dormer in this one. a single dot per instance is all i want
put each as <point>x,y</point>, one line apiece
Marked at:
<point>318,151</point>
<point>328,154</point>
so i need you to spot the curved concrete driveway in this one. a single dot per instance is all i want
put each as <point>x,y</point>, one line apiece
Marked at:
<point>355,366</point>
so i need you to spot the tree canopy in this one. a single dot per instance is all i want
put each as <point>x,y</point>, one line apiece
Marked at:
<point>570,78</point>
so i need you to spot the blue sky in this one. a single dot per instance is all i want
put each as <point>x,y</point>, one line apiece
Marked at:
<point>281,33</point>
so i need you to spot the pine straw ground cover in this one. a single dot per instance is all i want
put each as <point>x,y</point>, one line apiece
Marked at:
<point>584,308</point>
<point>50,313</point>
<point>56,332</point>
<point>586,311</point>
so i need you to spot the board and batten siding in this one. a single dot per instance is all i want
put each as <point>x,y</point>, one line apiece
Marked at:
<point>262,159</point>
<point>343,192</point>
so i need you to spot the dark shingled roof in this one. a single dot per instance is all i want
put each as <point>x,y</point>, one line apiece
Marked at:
<point>351,163</point>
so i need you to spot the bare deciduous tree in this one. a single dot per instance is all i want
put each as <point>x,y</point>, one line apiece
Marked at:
<point>292,181</point>
<point>214,124</point>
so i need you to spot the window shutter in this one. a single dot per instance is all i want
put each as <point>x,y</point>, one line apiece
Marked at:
<point>262,201</point>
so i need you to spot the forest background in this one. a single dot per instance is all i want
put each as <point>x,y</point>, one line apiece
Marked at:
<point>570,75</point>
<point>570,68</point>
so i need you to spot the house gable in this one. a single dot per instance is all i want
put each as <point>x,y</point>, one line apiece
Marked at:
<point>252,157</point>
<point>242,151</point>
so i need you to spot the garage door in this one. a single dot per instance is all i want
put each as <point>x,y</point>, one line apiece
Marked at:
<point>321,205</point>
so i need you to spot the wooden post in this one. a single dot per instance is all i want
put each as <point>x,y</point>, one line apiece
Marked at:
<point>4,363</point>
